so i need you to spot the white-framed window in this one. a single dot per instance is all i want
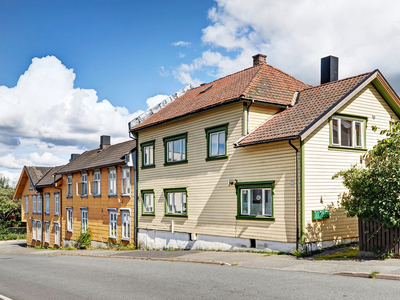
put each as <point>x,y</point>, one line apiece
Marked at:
<point>34,230</point>
<point>126,181</point>
<point>82,187</point>
<point>148,154</point>
<point>38,230</point>
<point>56,233</point>
<point>56,203</point>
<point>176,150</point>
<point>125,224</point>
<point>69,219</point>
<point>26,204</point>
<point>112,181</point>
<point>84,219</point>
<point>148,202</point>
<point>96,183</point>
<point>112,214</point>
<point>34,204</point>
<point>46,232</point>
<point>256,202</point>
<point>69,185</point>
<point>39,204</point>
<point>347,132</point>
<point>176,201</point>
<point>47,203</point>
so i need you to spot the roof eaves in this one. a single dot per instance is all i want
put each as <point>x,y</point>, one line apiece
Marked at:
<point>292,137</point>
<point>90,168</point>
<point>306,131</point>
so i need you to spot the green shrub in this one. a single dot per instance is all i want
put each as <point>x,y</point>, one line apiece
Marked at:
<point>85,239</point>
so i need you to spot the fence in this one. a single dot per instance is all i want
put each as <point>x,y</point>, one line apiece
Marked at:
<point>374,238</point>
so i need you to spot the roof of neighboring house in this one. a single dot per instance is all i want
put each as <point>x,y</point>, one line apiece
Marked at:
<point>97,158</point>
<point>37,173</point>
<point>262,82</point>
<point>48,179</point>
<point>312,104</point>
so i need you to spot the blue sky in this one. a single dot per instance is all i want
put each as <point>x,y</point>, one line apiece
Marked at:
<point>71,71</point>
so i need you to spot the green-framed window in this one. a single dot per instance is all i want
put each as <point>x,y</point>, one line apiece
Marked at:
<point>216,142</point>
<point>176,202</point>
<point>148,205</point>
<point>175,149</point>
<point>147,149</point>
<point>255,200</point>
<point>347,132</point>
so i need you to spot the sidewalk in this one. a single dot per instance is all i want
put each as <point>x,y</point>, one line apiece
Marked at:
<point>389,269</point>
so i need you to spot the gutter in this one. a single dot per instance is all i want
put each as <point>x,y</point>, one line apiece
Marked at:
<point>297,195</point>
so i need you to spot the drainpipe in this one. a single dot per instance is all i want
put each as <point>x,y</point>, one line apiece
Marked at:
<point>297,195</point>
<point>248,115</point>
<point>42,213</point>
<point>135,187</point>
<point>60,212</point>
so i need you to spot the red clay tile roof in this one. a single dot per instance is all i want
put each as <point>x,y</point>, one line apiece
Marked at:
<point>312,103</point>
<point>262,82</point>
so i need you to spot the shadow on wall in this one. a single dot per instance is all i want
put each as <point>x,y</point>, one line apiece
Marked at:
<point>335,229</point>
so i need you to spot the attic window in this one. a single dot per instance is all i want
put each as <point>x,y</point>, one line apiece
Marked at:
<point>206,89</point>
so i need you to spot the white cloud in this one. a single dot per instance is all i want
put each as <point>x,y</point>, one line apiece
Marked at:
<point>163,72</point>
<point>181,55</point>
<point>47,159</point>
<point>153,101</point>
<point>181,43</point>
<point>12,176</point>
<point>11,162</point>
<point>296,34</point>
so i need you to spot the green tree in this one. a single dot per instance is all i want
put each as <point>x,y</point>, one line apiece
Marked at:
<point>374,190</point>
<point>10,209</point>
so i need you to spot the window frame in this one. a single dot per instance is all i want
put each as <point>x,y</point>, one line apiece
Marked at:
<point>34,229</point>
<point>173,138</point>
<point>112,212</point>
<point>212,130</point>
<point>39,204</point>
<point>30,184</point>
<point>98,181</point>
<point>26,197</point>
<point>34,204</point>
<point>254,185</point>
<point>126,211</point>
<point>47,232</point>
<point>112,170</point>
<point>84,186</point>
<point>142,149</point>
<point>70,219</point>
<point>143,194</point>
<point>56,203</point>
<point>69,186</point>
<point>47,203</point>
<point>39,230</point>
<point>84,225</point>
<point>354,119</point>
<point>174,191</point>
<point>123,170</point>
<point>56,226</point>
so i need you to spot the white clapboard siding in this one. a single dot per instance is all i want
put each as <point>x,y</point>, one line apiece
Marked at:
<point>258,114</point>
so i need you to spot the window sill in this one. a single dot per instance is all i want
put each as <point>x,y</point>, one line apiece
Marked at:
<point>112,195</point>
<point>211,158</point>
<point>125,195</point>
<point>56,215</point>
<point>83,196</point>
<point>69,197</point>
<point>176,215</point>
<point>70,231</point>
<point>112,238</point>
<point>176,163</point>
<point>351,149</point>
<point>96,196</point>
<point>47,214</point>
<point>255,218</point>
<point>148,214</point>
<point>148,167</point>
<point>126,239</point>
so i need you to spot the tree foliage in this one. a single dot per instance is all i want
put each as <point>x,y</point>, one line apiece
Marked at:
<point>374,190</point>
<point>10,209</point>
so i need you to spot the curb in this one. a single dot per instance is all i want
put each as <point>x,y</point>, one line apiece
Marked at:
<point>368,275</point>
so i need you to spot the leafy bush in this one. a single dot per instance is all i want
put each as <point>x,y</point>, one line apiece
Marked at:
<point>85,239</point>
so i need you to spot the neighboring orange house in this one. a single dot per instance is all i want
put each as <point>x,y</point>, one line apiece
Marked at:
<point>40,200</point>
<point>97,194</point>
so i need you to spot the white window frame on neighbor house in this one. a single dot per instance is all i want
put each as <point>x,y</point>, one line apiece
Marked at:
<point>96,183</point>
<point>56,233</point>
<point>125,223</point>
<point>112,181</point>
<point>176,201</point>
<point>126,181</point>
<point>38,230</point>
<point>39,204</point>
<point>113,223</point>
<point>47,232</point>
<point>84,219</point>
<point>356,128</point>
<point>82,187</point>
<point>26,204</point>
<point>56,204</point>
<point>70,219</point>
<point>34,204</point>
<point>69,186</point>
<point>34,229</point>
<point>47,203</point>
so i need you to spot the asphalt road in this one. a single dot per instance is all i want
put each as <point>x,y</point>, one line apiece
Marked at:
<point>76,277</point>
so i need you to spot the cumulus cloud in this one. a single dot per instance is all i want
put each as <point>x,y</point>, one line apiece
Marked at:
<point>11,162</point>
<point>153,101</point>
<point>296,34</point>
<point>47,159</point>
<point>181,43</point>
<point>163,72</point>
<point>12,176</point>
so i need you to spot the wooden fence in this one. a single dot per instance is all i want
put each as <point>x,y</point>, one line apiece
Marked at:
<point>374,238</point>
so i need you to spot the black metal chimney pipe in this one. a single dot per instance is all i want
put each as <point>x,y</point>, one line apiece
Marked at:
<point>329,69</point>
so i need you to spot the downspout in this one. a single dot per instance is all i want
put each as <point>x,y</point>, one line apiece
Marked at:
<point>42,213</point>
<point>60,212</point>
<point>248,115</point>
<point>135,188</point>
<point>297,195</point>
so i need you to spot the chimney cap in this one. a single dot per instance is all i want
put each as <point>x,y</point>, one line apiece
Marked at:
<point>259,59</point>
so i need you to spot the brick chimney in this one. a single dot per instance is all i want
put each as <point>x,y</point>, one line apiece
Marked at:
<point>259,59</point>
<point>105,141</point>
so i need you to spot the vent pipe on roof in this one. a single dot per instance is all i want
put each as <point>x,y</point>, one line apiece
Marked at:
<point>105,141</point>
<point>259,59</point>
<point>73,156</point>
<point>329,69</point>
